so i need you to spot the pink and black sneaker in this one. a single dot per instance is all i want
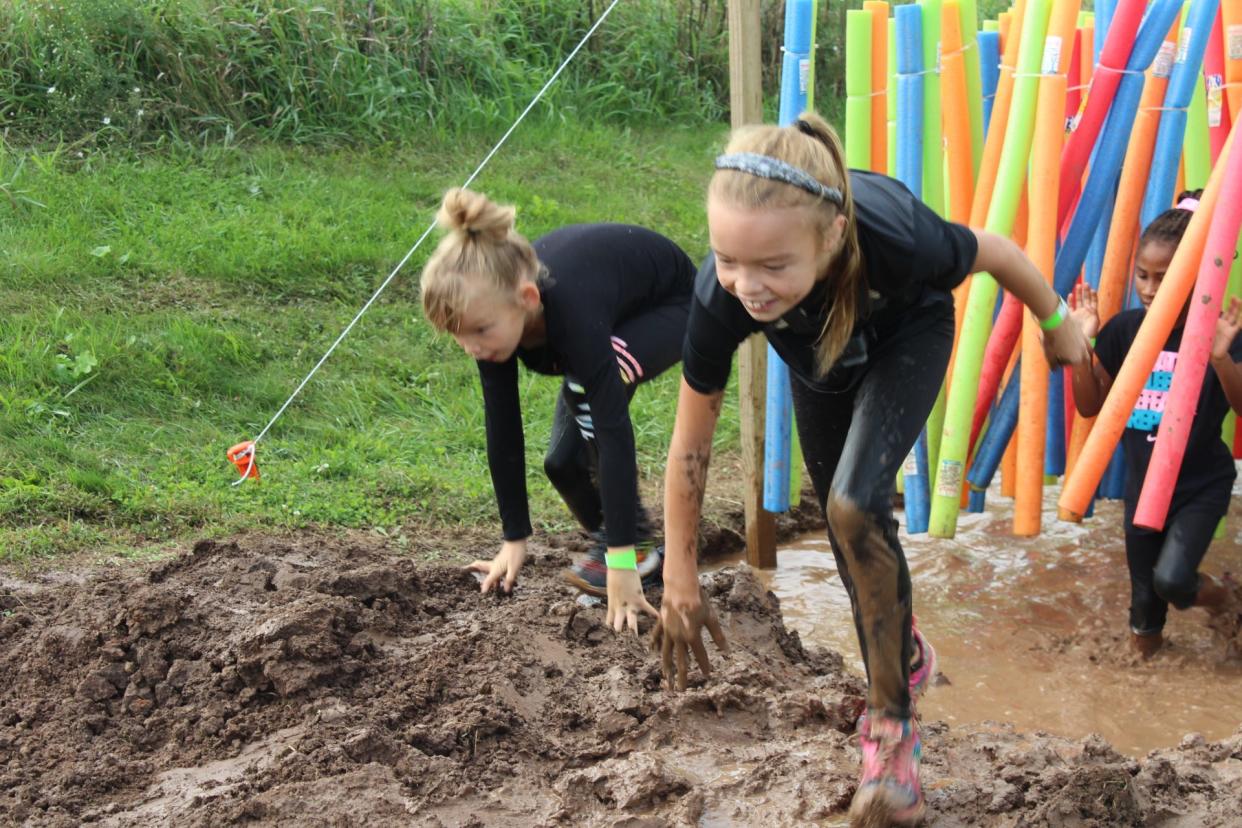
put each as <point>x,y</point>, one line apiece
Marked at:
<point>923,667</point>
<point>889,792</point>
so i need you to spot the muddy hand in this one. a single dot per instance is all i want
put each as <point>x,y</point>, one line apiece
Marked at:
<point>506,565</point>
<point>680,630</point>
<point>626,600</point>
<point>1066,344</point>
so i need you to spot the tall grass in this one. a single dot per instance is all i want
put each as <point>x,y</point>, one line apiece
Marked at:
<point>321,72</point>
<point>317,71</point>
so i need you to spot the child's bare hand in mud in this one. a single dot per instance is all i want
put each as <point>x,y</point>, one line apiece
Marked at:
<point>506,565</point>
<point>682,618</point>
<point>1085,309</point>
<point>626,599</point>
<point>1227,328</point>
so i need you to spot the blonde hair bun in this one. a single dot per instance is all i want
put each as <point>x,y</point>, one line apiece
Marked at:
<point>482,250</point>
<point>475,215</point>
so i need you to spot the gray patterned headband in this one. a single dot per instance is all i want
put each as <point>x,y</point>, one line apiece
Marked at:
<point>774,169</point>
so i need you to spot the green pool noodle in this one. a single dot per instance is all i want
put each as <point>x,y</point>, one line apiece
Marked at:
<point>934,160</point>
<point>933,134</point>
<point>1196,150</point>
<point>1015,156</point>
<point>974,79</point>
<point>795,469</point>
<point>935,428</point>
<point>858,89</point>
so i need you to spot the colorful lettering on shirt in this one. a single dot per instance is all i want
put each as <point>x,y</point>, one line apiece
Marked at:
<point>1149,409</point>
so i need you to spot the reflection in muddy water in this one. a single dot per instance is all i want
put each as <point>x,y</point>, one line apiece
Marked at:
<point>1034,631</point>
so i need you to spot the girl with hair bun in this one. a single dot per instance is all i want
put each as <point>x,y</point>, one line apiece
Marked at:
<point>604,306</point>
<point>850,277</point>
<point>1164,566</point>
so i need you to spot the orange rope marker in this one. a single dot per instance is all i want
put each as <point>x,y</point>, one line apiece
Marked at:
<point>242,455</point>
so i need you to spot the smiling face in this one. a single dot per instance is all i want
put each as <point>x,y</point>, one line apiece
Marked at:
<point>770,258</point>
<point>1149,268</point>
<point>493,322</point>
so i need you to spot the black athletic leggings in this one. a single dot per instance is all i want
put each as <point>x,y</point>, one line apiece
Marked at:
<point>1164,566</point>
<point>853,443</point>
<point>646,346</point>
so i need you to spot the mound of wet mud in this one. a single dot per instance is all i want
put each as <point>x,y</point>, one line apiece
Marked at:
<point>308,682</point>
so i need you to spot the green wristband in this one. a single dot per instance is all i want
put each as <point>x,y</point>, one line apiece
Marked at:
<point>628,559</point>
<point>1091,341</point>
<point>1058,316</point>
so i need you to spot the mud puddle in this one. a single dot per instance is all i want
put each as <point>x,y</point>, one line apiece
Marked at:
<point>307,681</point>
<point>1033,631</point>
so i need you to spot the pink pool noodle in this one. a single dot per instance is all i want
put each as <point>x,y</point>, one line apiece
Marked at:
<point>1114,55</point>
<point>1193,356</point>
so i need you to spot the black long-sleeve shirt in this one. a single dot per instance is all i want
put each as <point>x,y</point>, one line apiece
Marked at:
<point>597,276</point>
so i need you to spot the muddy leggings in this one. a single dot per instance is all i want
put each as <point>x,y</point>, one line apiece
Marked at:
<point>646,346</point>
<point>1164,566</point>
<point>853,443</point>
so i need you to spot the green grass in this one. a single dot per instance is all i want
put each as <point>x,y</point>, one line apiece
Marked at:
<point>159,308</point>
<point>306,71</point>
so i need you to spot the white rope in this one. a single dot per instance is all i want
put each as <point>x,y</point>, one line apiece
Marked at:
<point>539,95</point>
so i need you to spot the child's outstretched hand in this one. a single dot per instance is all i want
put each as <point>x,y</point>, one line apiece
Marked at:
<point>1227,328</point>
<point>506,565</point>
<point>626,599</point>
<point>681,629</point>
<point>1085,309</point>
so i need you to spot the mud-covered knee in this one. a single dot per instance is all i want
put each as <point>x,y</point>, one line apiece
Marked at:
<point>1177,590</point>
<point>846,518</point>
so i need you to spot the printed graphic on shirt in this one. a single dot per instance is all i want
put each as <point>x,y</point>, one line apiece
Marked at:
<point>586,426</point>
<point>631,372</point>
<point>1149,409</point>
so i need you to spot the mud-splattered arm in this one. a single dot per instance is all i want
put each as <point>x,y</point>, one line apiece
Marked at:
<point>685,609</point>
<point>685,481</point>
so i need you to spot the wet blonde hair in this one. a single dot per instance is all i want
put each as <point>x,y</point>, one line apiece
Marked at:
<point>812,145</point>
<point>481,250</point>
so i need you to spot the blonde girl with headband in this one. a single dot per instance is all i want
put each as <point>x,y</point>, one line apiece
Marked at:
<point>1164,566</point>
<point>605,307</point>
<point>850,278</point>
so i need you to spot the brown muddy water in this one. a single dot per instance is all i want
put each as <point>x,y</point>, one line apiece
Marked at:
<point>1033,632</point>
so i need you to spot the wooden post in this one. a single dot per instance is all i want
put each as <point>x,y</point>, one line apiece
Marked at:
<point>746,107</point>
